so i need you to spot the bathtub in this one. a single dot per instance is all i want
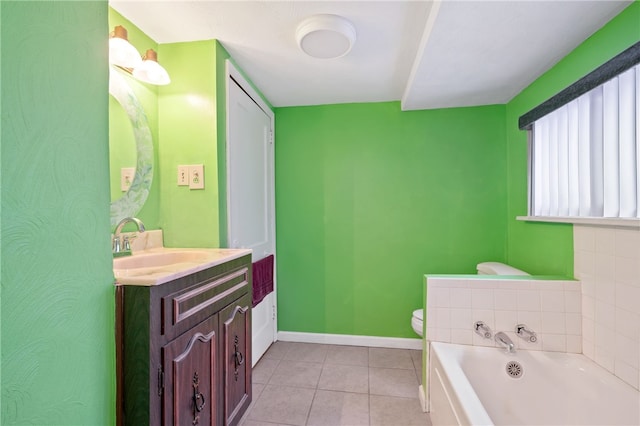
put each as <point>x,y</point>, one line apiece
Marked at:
<point>470,385</point>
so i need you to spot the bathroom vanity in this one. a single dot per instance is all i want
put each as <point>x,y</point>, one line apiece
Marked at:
<point>183,335</point>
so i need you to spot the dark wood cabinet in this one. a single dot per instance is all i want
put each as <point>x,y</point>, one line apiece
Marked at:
<point>190,375</point>
<point>185,348</point>
<point>236,334</point>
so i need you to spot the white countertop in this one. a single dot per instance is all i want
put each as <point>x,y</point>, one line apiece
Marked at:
<point>162,273</point>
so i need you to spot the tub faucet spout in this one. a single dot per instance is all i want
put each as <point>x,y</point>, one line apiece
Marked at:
<point>503,340</point>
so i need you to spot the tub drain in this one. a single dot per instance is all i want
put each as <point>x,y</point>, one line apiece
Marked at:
<point>514,369</point>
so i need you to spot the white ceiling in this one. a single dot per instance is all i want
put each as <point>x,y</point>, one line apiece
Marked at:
<point>428,54</point>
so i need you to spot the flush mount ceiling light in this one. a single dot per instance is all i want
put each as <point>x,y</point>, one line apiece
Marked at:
<point>125,56</point>
<point>326,36</point>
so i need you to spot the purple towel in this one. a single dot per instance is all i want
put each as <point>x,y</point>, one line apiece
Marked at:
<point>262,279</point>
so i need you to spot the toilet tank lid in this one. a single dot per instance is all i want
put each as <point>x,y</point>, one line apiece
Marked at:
<point>497,268</point>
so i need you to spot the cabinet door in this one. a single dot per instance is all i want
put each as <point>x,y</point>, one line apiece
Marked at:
<point>236,334</point>
<point>190,377</point>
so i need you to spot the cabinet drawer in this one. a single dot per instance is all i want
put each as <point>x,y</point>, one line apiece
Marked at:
<point>185,308</point>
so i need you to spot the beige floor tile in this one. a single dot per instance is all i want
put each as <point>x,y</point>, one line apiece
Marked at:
<point>259,423</point>
<point>390,358</point>
<point>418,376</point>
<point>307,352</point>
<point>348,355</point>
<point>346,378</point>
<point>392,411</point>
<point>256,390</point>
<point>292,373</point>
<point>339,408</point>
<point>282,404</point>
<point>263,370</point>
<point>416,357</point>
<point>393,382</point>
<point>316,384</point>
<point>277,350</point>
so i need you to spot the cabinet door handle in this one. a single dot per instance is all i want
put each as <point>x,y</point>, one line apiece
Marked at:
<point>198,399</point>
<point>239,357</point>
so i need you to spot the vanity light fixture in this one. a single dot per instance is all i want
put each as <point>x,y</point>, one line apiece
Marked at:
<point>124,55</point>
<point>121,52</point>
<point>150,71</point>
<point>326,36</point>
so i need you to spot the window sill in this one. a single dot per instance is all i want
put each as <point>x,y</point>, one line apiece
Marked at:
<point>597,221</point>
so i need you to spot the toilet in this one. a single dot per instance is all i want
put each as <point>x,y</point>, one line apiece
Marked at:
<point>484,268</point>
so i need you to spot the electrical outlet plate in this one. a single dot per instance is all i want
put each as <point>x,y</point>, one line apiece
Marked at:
<point>183,175</point>
<point>196,176</point>
<point>126,178</point>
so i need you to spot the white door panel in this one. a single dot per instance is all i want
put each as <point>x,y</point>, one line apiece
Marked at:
<point>262,323</point>
<point>250,195</point>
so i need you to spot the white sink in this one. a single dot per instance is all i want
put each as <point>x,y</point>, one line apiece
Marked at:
<point>150,260</point>
<point>156,266</point>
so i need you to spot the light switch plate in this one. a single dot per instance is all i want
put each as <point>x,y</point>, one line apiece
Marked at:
<point>126,178</point>
<point>196,176</point>
<point>183,175</point>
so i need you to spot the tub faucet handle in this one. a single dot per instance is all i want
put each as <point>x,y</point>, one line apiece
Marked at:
<point>526,334</point>
<point>482,329</point>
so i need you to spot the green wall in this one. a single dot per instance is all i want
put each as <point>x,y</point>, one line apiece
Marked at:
<point>147,95</point>
<point>221,118</point>
<point>185,118</point>
<point>58,362</point>
<point>548,248</point>
<point>188,136</point>
<point>370,198</point>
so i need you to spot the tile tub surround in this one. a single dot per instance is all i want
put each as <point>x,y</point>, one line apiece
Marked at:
<point>607,262</point>
<point>550,307</point>
<point>316,384</point>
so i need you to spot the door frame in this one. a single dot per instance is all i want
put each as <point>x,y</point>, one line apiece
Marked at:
<point>232,72</point>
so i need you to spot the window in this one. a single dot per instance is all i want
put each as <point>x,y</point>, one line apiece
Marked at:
<point>584,154</point>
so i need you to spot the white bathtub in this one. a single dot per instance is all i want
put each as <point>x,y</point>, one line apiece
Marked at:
<point>469,385</point>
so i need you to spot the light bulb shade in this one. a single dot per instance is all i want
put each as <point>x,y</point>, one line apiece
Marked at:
<point>150,71</point>
<point>326,36</point>
<point>121,52</point>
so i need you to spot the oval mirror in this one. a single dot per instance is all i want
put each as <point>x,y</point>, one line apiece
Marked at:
<point>122,150</point>
<point>130,203</point>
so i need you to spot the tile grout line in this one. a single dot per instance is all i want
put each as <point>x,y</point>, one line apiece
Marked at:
<point>315,390</point>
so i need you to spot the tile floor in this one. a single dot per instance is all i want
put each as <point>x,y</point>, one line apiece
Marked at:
<point>312,384</point>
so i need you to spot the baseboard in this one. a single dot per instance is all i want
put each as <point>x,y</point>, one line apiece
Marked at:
<point>350,340</point>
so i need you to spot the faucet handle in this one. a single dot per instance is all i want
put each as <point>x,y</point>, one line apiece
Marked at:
<point>126,241</point>
<point>482,329</point>
<point>115,244</point>
<point>526,334</point>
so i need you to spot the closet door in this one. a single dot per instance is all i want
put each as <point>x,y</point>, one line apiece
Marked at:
<point>250,192</point>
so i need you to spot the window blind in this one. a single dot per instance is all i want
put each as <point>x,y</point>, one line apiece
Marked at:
<point>585,154</point>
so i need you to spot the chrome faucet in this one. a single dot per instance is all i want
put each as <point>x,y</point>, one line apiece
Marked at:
<point>526,334</point>
<point>503,340</point>
<point>482,329</point>
<point>120,243</point>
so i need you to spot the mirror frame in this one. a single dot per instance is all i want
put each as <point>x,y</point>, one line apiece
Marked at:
<point>132,201</point>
